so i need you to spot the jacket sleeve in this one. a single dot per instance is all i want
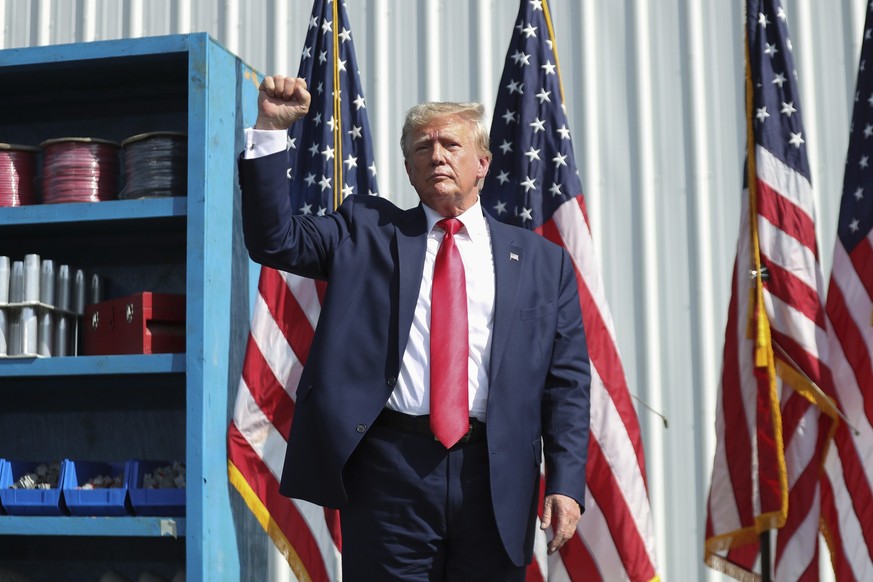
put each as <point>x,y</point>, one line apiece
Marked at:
<point>274,236</point>
<point>566,400</point>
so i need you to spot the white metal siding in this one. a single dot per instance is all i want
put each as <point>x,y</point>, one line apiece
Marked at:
<point>654,90</point>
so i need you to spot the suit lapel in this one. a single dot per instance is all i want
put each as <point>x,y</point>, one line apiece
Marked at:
<point>508,260</point>
<point>411,241</point>
<point>411,245</point>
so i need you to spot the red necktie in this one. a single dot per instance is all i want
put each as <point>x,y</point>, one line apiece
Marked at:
<point>449,342</point>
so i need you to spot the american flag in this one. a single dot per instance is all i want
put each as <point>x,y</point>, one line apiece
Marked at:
<point>533,183</point>
<point>330,157</point>
<point>774,412</point>
<point>847,493</point>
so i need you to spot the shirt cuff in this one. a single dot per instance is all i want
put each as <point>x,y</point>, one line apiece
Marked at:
<point>263,142</point>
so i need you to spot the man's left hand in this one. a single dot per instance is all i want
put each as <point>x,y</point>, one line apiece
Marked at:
<point>564,513</point>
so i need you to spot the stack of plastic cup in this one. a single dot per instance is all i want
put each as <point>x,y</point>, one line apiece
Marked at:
<point>29,325</point>
<point>16,296</point>
<point>45,334</point>
<point>62,303</point>
<point>4,301</point>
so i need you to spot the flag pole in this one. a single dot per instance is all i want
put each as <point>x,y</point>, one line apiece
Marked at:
<point>337,116</point>
<point>765,556</point>
<point>758,322</point>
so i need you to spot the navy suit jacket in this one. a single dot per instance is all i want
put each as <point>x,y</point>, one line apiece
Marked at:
<point>372,254</point>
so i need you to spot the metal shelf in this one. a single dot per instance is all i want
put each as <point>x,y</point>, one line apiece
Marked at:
<point>114,210</point>
<point>93,365</point>
<point>173,527</point>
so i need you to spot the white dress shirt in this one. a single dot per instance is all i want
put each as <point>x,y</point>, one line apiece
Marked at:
<point>411,394</point>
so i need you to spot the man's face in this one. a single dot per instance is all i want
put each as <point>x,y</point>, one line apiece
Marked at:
<point>445,165</point>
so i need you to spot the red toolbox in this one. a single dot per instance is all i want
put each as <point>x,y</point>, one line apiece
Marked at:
<point>144,323</point>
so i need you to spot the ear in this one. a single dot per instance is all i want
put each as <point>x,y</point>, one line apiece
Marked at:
<point>484,164</point>
<point>482,171</point>
<point>408,167</point>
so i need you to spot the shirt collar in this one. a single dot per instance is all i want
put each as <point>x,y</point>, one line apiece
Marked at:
<point>473,219</point>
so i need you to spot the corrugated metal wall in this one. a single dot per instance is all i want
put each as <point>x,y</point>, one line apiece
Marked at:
<point>654,92</point>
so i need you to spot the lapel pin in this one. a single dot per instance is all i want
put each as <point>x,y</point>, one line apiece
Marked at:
<point>513,257</point>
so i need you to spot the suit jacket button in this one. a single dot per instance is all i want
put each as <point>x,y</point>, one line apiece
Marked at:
<point>391,380</point>
<point>361,428</point>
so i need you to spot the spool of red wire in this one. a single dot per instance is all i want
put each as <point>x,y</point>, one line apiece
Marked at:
<point>79,169</point>
<point>17,174</point>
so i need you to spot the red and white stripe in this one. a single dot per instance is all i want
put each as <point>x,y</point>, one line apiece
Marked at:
<point>847,492</point>
<point>615,539</point>
<point>770,458</point>
<point>743,444</point>
<point>285,313</point>
<point>794,303</point>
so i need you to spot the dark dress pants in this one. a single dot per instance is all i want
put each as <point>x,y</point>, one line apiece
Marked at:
<point>418,512</point>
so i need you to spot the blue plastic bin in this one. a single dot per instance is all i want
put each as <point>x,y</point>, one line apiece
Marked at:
<point>28,501</point>
<point>153,502</point>
<point>109,501</point>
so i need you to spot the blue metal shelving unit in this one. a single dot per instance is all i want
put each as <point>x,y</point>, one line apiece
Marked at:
<point>112,90</point>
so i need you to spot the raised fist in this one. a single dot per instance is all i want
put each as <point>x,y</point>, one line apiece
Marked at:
<point>281,102</point>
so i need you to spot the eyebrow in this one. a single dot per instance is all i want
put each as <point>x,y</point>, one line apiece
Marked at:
<point>443,136</point>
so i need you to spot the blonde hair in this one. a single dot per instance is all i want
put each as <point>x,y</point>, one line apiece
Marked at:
<point>422,114</point>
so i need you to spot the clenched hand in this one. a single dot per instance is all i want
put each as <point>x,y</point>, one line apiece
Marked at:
<point>281,102</point>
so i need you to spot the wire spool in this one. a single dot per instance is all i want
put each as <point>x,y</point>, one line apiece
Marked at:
<point>79,169</point>
<point>155,164</point>
<point>17,175</point>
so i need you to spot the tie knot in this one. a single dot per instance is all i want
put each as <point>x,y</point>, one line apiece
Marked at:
<point>450,225</point>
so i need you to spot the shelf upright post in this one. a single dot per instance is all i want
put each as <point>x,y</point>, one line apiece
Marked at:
<point>214,118</point>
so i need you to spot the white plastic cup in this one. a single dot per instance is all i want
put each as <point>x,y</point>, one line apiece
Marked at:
<point>47,282</point>
<point>46,332</point>
<point>29,331</point>
<point>78,306</point>
<point>95,289</point>
<point>4,333</point>
<point>13,347</point>
<point>16,283</point>
<point>61,344</point>
<point>62,288</point>
<point>31,278</point>
<point>4,280</point>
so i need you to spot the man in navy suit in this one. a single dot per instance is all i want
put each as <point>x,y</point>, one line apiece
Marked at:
<point>412,506</point>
